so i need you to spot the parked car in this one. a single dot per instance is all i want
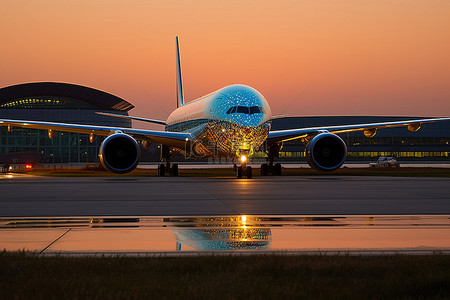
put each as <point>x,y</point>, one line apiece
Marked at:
<point>385,162</point>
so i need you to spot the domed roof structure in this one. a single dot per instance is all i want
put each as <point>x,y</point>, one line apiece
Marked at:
<point>59,95</point>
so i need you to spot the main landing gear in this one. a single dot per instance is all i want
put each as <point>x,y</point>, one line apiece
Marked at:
<point>171,169</point>
<point>269,167</point>
<point>167,168</point>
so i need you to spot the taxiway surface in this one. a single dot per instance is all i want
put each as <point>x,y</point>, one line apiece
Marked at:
<point>29,196</point>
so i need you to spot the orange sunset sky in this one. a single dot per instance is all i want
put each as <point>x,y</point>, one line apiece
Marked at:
<point>320,57</point>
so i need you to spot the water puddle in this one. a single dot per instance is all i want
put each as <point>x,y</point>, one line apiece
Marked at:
<point>226,233</point>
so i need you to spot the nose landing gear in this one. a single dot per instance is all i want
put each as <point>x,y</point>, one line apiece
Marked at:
<point>243,170</point>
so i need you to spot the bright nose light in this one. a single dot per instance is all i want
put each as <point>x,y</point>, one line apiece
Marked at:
<point>243,158</point>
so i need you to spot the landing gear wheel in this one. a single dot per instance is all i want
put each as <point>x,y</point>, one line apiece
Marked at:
<point>239,172</point>
<point>174,170</point>
<point>264,170</point>
<point>161,170</point>
<point>277,169</point>
<point>248,172</point>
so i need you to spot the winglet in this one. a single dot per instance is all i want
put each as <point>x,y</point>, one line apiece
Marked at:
<point>180,95</point>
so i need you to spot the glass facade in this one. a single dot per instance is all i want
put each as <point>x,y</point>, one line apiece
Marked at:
<point>65,147</point>
<point>57,102</point>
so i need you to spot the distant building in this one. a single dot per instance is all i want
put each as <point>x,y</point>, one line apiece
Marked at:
<point>57,102</point>
<point>431,142</point>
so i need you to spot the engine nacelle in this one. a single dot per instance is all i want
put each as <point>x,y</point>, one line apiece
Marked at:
<point>120,153</point>
<point>326,152</point>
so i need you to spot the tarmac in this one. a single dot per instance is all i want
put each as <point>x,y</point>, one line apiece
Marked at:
<point>30,196</point>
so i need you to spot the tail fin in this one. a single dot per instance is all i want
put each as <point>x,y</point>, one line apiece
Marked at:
<point>180,94</point>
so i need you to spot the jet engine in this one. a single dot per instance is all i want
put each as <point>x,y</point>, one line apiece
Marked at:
<point>326,152</point>
<point>120,153</point>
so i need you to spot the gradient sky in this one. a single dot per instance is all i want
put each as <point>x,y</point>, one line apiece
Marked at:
<point>316,57</point>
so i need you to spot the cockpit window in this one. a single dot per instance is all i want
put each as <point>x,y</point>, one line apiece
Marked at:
<point>254,110</point>
<point>245,110</point>
<point>242,109</point>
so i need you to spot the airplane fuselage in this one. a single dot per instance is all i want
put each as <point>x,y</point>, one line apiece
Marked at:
<point>229,122</point>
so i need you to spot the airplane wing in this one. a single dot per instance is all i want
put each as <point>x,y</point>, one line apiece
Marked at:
<point>369,129</point>
<point>175,139</point>
<point>132,118</point>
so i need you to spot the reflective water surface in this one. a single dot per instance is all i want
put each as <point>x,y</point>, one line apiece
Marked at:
<point>226,233</point>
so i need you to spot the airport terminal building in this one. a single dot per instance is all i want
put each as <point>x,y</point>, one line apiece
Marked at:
<point>69,103</point>
<point>57,102</point>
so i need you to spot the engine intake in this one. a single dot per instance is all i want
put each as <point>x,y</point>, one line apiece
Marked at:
<point>326,152</point>
<point>120,153</point>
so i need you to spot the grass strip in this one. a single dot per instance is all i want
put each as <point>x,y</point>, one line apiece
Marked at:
<point>25,276</point>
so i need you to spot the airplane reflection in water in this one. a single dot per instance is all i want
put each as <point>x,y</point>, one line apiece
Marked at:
<point>220,233</point>
<point>233,122</point>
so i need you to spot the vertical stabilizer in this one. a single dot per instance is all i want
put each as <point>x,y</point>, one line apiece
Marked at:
<point>180,95</point>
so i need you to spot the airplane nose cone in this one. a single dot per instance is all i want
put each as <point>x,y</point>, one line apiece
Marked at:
<point>240,104</point>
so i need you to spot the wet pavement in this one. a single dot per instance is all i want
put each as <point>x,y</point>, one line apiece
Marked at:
<point>366,234</point>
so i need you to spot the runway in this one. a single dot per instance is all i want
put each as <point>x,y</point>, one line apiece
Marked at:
<point>28,196</point>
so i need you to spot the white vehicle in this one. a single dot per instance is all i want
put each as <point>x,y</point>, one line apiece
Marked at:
<point>385,162</point>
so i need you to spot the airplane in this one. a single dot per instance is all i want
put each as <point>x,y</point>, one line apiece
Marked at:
<point>232,122</point>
